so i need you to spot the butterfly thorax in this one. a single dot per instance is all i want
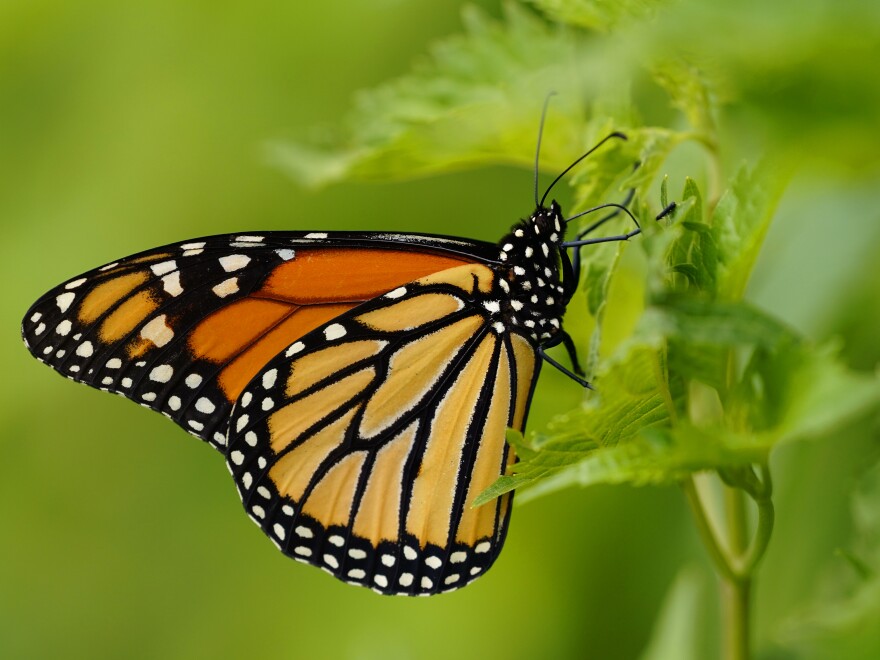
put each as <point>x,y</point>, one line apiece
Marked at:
<point>534,297</point>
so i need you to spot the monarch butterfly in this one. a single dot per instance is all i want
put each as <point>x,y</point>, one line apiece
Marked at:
<point>358,383</point>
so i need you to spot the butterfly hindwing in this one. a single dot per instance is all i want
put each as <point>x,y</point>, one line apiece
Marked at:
<point>181,329</point>
<point>360,447</point>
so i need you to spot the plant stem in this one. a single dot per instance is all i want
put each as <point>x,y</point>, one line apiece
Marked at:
<point>736,588</point>
<point>737,559</point>
<point>707,530</point>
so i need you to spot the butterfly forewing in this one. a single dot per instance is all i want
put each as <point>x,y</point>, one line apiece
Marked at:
<point>361,447</point>
<point>181,329</point>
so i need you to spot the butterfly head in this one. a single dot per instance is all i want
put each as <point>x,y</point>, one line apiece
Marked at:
<point>534,264</point>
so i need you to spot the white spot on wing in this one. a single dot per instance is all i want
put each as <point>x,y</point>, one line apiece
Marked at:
<point>286,255</point>
<point>162,373</point>
<point>171,283</point>
<point>75,283</point>
<point>193,246</point>
<point>269,378</point>
<point>316,234</point>
<point>164,267</point>
<point>334,331</point>
<point>232,262</point>
<point>157,331</point>
<point>294,349</point>
<point>85,349</point>
<point>63,301</point>
<point>205,406</point>
<point>248,239</point>
<point>396,293</point>
<point>63,328</point>
<point>193,381</point>
<point>226,287</point>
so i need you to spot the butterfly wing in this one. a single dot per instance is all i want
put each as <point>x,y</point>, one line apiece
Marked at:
<point>360,448</point>
<point>183,328</point>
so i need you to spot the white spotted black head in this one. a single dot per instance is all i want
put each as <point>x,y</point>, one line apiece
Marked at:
<point>536,274</point>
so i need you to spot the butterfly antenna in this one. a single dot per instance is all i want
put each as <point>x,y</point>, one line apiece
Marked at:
<point>568,169</point>
<point>540,133</point>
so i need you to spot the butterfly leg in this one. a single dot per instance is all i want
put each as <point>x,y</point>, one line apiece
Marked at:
<point>576,373</point>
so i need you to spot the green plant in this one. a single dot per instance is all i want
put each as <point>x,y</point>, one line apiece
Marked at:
<point>695,385</point>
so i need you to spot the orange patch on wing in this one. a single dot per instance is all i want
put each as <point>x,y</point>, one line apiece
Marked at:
<point>227,331</point>
<point>378,515</point>
<point>235,377</point>
<point>292,472</point>
<point>347,275</point>
<point>412,312</point>
<point>479,523</point>
<point>248,333</point>
<point>126,317</point>
<point>524,364</point>
<point>289,422</point>
<point>412,371</point>
<point>433,492</point>
<point>469,277</point>
<point>315,367</point>
<point>108,293</point>
<point>331,500</point>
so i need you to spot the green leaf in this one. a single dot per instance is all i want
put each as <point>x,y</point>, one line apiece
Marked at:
<point>740,223</point>
<point>693,252</point>
<point>598,14</point>
<point>694,91</point>
<point>714,323</point>
<point>475,100</point>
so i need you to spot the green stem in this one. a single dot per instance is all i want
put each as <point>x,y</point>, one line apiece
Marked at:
<point>737,559</point>
<point>736,590</point>
<point>736,597</point>
<point>707,530</point>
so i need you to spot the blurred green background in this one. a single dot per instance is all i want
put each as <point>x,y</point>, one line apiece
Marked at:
<point>125,125</point>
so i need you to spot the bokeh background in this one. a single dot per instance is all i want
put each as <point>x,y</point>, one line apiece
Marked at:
<point>125,125</point>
